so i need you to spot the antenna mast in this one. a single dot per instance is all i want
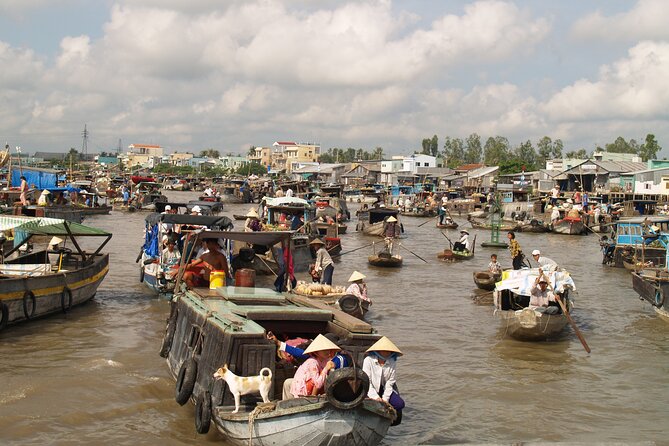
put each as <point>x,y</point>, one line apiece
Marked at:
<point>84,145</point>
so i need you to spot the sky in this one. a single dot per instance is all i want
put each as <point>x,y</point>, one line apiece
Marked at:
<point>200,74</point>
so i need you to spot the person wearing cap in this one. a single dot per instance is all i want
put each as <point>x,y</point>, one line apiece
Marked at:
<point>196,210</point>
<point>324,266</point>
<point>358,287</point>
<point>541,296</point>
<point>252,223</point>
<point>310,377</point>
<point>463,243</point>
<point>555,215</point>
<point>380,365</point>
<point>167,209</point>
<point>544,262</point>
<point>555,193</point>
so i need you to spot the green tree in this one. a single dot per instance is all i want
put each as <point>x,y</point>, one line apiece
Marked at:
<point>426,146</point>
<point>252,151</point>
<point>378,153</point>
<point>558,146</point>
<point>622,146</point>
<point>434,146</point>
<point>544,150</point>
<point>650,148</point>
<point>577,154</point>
<point>511,165</point>
<point>454,152</point>
<point>527,155</point>
<point>210,153</point>
<point>474,149</point>
<point>251,169</point>
<point>496,150</point>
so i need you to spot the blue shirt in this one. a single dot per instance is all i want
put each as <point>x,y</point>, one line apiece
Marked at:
<point>339,359</point>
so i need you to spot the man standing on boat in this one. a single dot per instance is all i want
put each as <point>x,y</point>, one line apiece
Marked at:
<point>198,270</point>
<point>514,249</point>
<point>544,262</point>
<point>555,193</point>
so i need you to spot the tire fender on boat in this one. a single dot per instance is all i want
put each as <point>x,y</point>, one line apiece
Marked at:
<point>170,329</point>
<point>66,304</point>
<point>349,304</point>
<point>186,381</point>
<point>203,412</point>
<point>659,298</point>
<point>141,273</point>
<point>4,314</point>
<point>29,296</point>
<point>347,387</point>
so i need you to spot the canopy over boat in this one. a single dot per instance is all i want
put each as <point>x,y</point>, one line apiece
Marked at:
<point>521,281</point>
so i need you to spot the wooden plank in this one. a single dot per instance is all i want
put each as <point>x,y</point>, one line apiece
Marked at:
<point>283,313</point>
<point>344,320</point>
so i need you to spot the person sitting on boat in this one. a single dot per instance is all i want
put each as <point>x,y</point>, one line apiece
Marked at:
<point>555,215</point>
<point>358,287</point>
<point>294,350</point>
<point>311,375</point>
<point>252,223</point>
<point>43,199</point>
<point>544,262</point>
<point>380,366</point>
<point>324,265</point>
<point>170,254</point>
<point>463,243</point>
<point>514,249</point>
<point>198,270</point>
<point>494,266</point>
<point>297,222</point>
<point>541,296</point>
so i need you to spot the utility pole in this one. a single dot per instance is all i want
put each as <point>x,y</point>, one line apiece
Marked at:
<point>84,145</point>
<point>118,149</point>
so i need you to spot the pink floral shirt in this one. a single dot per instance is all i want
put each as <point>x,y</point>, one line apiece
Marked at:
<point>308,376</point>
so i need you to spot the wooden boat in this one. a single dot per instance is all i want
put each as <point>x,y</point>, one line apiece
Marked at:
<point>336,297</point>
<point>570,226</point>
<point>239,217</point>
<point>48,281</point>
<point>511,300</point>
<point>209,328</point>
<point>452,225</point>
<point>371,222</point>
<point>652,285</point>
<point>419,212</point>
<point>485,224</point>
<point>534,226</point>
<point>394,261</point>
<point>486,280</point>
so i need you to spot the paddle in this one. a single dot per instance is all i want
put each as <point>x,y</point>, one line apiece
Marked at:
<point>402,246</point>
<point>449,240</point>
<point>352,250</point>
<point>573,324</point>
<point>427,221</point>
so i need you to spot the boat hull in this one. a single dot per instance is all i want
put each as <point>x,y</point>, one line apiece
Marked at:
<point>529,325</point>
<point>50,291</point>
<point>315,424</point>
<point>486,280</point>
<point>654,290</point>
<point>573,227</point>
<point>385,262</point>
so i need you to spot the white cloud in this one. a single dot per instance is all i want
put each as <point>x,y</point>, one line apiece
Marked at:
<point>633,88</point>
<point>646,20</point>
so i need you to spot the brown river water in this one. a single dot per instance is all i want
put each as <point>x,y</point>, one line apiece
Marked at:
<point>94,376</point>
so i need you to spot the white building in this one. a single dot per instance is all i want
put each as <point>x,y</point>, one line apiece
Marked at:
<point>413,162</point>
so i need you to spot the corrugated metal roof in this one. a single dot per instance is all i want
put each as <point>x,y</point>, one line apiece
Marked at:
<point>482,171</point>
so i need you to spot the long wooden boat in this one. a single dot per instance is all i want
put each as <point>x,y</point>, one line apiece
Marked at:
<point>452,225</point>
<point>485,224</point>
<point>486,280</point>
<point>653,287</point>
<point>48,281</point>
<point>419,212</point>
<point>570,226</point>
<point>322,228</point>
<point>511,300</point>
<point>209,328</point>
<point>372,221</point>
<point>534,226</point>
<point>239,217</point>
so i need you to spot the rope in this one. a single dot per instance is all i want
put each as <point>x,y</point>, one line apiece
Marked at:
<point>254,414</point>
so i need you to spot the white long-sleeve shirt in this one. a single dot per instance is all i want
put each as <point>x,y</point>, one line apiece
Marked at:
<point>323,259</point>
<point>380,375</point>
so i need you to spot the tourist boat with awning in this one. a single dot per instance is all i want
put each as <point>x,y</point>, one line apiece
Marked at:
<point>47,271</point>
<point>208,328</point>
<point>511,299</point>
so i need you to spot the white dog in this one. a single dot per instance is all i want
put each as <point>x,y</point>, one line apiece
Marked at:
<point>243,385</point>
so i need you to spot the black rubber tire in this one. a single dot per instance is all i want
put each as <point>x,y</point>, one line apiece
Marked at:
<point>186,381</point>
<point>203,412</point>
<point>141,274</point>
<point>170,329</point>
<point>349,303</point>
<point>4,314</point>
<point>68,292</point>
<point>659,298</point>
<point>534,222</point>
<point>29,295</point>
<point>340,393</point>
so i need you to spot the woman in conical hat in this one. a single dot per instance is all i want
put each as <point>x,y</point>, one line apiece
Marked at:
<point>380,365</point>
<point>310,376</point>
<point>252,223</point>
<point>324,266</point>
<point>358,287</point>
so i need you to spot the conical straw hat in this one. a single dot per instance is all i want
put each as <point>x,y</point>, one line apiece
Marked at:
<point>252,213</point>
<point>391,219</point>
<point>384,344</point>
<point>316,241</point>
<point>46,192</point>
<point>321,343</point>
<point>356,276</point>
<point>55,241</point>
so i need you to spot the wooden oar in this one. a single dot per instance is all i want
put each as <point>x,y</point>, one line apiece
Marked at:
<point>573,324</point>
<point>352,250</point>
<point>402,246</point>
<point>426,222</point>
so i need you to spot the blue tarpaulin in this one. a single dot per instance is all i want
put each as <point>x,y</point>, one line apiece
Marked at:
<point>42,179</point>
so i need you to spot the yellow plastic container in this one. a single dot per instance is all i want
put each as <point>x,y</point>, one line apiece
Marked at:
<point>216,279</point>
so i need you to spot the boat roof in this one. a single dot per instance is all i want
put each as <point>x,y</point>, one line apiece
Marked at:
<point>642,219</point>
<point>286,201</point>
<point>268,238</point>
<point>47,226</point>
<point>187,219</point>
